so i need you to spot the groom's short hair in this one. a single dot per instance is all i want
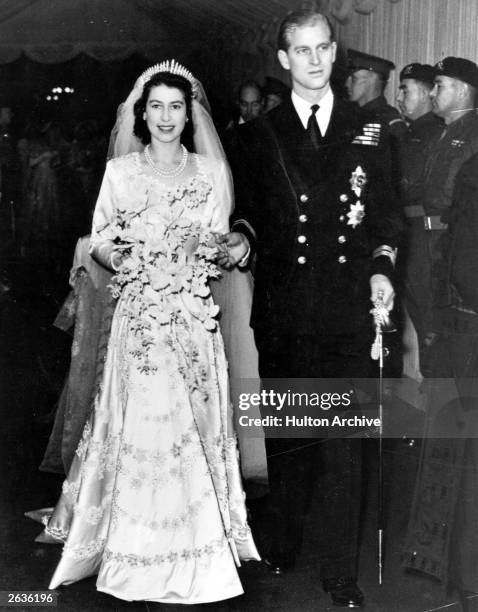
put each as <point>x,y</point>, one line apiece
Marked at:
<point>300,19</point>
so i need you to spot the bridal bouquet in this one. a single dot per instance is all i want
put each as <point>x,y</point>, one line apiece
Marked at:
<point>165,270</point>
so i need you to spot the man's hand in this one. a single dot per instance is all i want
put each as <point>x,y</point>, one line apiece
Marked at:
<point>232,248</point>
<point>381,283</point>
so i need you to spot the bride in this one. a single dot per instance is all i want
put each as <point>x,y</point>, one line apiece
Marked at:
<point>153,502</point>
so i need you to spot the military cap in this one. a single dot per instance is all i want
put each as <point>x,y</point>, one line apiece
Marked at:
<point>363,61</point>
<point>458,68</point>
<point>419,72</point>
<point>275,86</point>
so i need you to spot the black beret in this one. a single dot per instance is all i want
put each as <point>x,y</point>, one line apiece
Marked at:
<point>363,61</point>
<point>458,68</point>
<point>419,72</point>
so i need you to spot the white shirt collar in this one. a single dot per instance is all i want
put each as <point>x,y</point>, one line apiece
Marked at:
<point>324,113</point>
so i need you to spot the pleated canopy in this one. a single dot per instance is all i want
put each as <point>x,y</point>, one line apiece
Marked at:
<point>52,31</point>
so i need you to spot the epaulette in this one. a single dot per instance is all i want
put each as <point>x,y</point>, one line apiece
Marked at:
<point>370,135</point>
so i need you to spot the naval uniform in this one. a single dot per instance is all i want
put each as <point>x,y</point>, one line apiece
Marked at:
<point>388,116</point>
<point>320,222</point>
<point>394,131</point>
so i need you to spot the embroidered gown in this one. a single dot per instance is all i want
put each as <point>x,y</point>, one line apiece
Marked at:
<point>153,501</point>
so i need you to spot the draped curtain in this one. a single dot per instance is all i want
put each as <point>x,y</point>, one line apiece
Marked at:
<point>52,31</point>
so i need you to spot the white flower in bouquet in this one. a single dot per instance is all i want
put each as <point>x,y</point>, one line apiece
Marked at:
<point>164,257</point>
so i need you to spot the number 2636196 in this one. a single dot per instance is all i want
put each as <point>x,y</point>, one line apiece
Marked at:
<point>28,598</point>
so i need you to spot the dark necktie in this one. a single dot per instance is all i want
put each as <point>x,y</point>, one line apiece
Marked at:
<point>312,127</point>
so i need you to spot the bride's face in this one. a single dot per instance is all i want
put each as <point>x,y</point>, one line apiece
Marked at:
<point>165,113</point>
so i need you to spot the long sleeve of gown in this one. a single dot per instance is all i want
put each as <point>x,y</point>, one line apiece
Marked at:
<point>223,197</point>
<point>101,247</point>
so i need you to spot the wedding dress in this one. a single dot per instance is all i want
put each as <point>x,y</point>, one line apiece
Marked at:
<point>153,502</point>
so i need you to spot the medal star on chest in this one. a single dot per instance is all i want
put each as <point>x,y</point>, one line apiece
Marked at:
<point>358,180</point>
<point>356,214</point>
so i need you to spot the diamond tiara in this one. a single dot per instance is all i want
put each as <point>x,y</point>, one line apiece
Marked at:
<point>171,66</point>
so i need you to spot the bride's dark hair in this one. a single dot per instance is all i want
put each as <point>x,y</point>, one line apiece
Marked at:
<point>168,79</point>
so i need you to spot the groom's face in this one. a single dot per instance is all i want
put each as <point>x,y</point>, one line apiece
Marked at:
<point>310,57</point>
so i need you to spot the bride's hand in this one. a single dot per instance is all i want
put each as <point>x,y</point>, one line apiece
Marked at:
<point>233,246</point>
<point>216,242</point>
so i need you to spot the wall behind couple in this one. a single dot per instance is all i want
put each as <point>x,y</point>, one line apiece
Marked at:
<point>403,31</point>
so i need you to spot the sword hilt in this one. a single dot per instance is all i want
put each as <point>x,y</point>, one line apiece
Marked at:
<point>381,315</point>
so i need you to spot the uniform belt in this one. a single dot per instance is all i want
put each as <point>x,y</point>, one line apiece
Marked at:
<point>430,222</point>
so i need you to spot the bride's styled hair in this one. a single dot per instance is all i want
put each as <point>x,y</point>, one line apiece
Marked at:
<point>176,81</point>
<point>205,140</point>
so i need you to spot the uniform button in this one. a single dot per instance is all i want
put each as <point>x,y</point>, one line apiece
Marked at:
<point>342,239</point>
<point>301,259</point>
<point>302,218</point>
<point>344,198</point>
<point>301,239</point>
<point>304,198</point>
<point>342,218</point>
<point>342,259</point>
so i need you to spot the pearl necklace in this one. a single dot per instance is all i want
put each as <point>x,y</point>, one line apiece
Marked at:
<point>167,173</point>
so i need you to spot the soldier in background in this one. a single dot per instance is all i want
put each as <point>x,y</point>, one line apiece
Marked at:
<point>415,104</point>
<point>368,77</point>
<point>424,127</point>
<point>442,537</point>
<point>453,100</point>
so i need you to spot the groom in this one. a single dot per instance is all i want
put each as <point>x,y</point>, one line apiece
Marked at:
<point>315,206</point>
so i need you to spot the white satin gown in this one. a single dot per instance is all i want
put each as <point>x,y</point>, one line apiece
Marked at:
<point>153,502</point>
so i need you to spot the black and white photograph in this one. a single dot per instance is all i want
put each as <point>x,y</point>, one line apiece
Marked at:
<point>239,305</point>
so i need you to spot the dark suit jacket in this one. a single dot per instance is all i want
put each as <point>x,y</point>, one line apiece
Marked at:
<point>298,208</point>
